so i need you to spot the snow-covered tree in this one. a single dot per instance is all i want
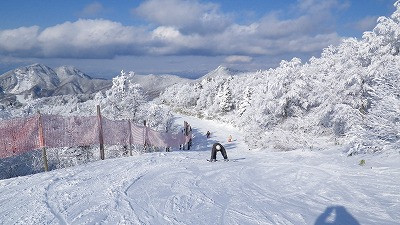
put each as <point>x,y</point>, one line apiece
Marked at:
<point>245,102</point>
<point>224,99</point>
<point>349,95</point>
<point>124,98</point>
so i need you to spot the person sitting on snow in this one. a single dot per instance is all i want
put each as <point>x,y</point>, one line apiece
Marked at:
<point>215,148</point>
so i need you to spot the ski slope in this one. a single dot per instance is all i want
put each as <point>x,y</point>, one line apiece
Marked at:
<point>181,187</point>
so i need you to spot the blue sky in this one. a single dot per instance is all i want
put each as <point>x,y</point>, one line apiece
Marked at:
<point>184,37</point>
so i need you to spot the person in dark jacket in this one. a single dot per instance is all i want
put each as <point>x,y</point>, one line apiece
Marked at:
<point>208,134</point>
<point>215,148</point>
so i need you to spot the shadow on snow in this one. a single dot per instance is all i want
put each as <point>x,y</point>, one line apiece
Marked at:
<point>336,215</point>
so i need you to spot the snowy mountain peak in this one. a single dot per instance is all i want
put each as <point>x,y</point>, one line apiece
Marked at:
<point>67,71</point>
<point>221,67</point>
<point>35,77</point>
<point>38,69</point>
<point>224,69</point>
<point>38,80</point>
<point>35,70</point>
<point>220,71</point>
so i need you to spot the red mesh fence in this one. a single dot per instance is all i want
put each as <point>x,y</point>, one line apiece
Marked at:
<point>156,139</point>
<point>62,131</point>
<point>115,132</point>
<point>18,136</point>
<point>166,139</point>
<point>138,134</point>
<point>174,140</point>
<point>21,135</point>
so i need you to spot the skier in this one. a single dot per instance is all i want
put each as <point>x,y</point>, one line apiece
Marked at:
<point>208,134</point>
<point>215,148</point>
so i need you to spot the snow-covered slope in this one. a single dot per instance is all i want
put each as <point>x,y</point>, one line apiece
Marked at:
<point>181,187</point>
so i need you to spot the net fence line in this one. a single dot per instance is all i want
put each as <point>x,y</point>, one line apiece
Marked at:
<point>21,135</point>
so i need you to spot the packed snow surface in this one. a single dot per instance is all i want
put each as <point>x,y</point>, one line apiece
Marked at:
<point>181,187</point>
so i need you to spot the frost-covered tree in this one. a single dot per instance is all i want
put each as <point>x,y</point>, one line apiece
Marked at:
<point>224,99</point>
<point>245,102</point>
<point>124,98</point>
<point>349,96</point>
<point>157,117</point>
<point>181,95</point>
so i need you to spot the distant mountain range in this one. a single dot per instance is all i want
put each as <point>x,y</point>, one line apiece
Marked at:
<point>37,80</point>
<point>153,85</point>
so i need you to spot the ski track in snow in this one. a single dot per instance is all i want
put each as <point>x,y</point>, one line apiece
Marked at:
<point>181,187</point>
<point>49,202</point>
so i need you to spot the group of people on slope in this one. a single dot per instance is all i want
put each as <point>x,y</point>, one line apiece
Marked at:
<point>217,147</point>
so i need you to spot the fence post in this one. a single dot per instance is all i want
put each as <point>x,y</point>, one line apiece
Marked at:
<point>185,133</point>
<point>130,137</point>
<point>100,127</point>
<point>145,136</point>
<point>42,144</point>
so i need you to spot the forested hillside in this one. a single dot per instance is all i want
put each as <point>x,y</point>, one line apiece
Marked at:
<point>349,96</point>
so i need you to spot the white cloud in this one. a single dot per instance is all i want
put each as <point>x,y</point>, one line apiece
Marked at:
<point>271,26</point>
<point>166,33</point>
<point>91,39</point>
<point>181,28</point>
<point>308,44</point>
<point>238,59</point>
<point>321,6</point>
<point>190,16</point>
<point>18,40</point>
<point>92,9</point>
<point>81,39</point>
<point>366,24</point>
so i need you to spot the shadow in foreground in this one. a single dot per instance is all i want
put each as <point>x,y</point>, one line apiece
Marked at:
<point>336,215</point>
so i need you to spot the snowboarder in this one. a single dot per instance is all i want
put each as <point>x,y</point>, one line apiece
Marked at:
<point>208,134</point>
<point>215,148</point>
